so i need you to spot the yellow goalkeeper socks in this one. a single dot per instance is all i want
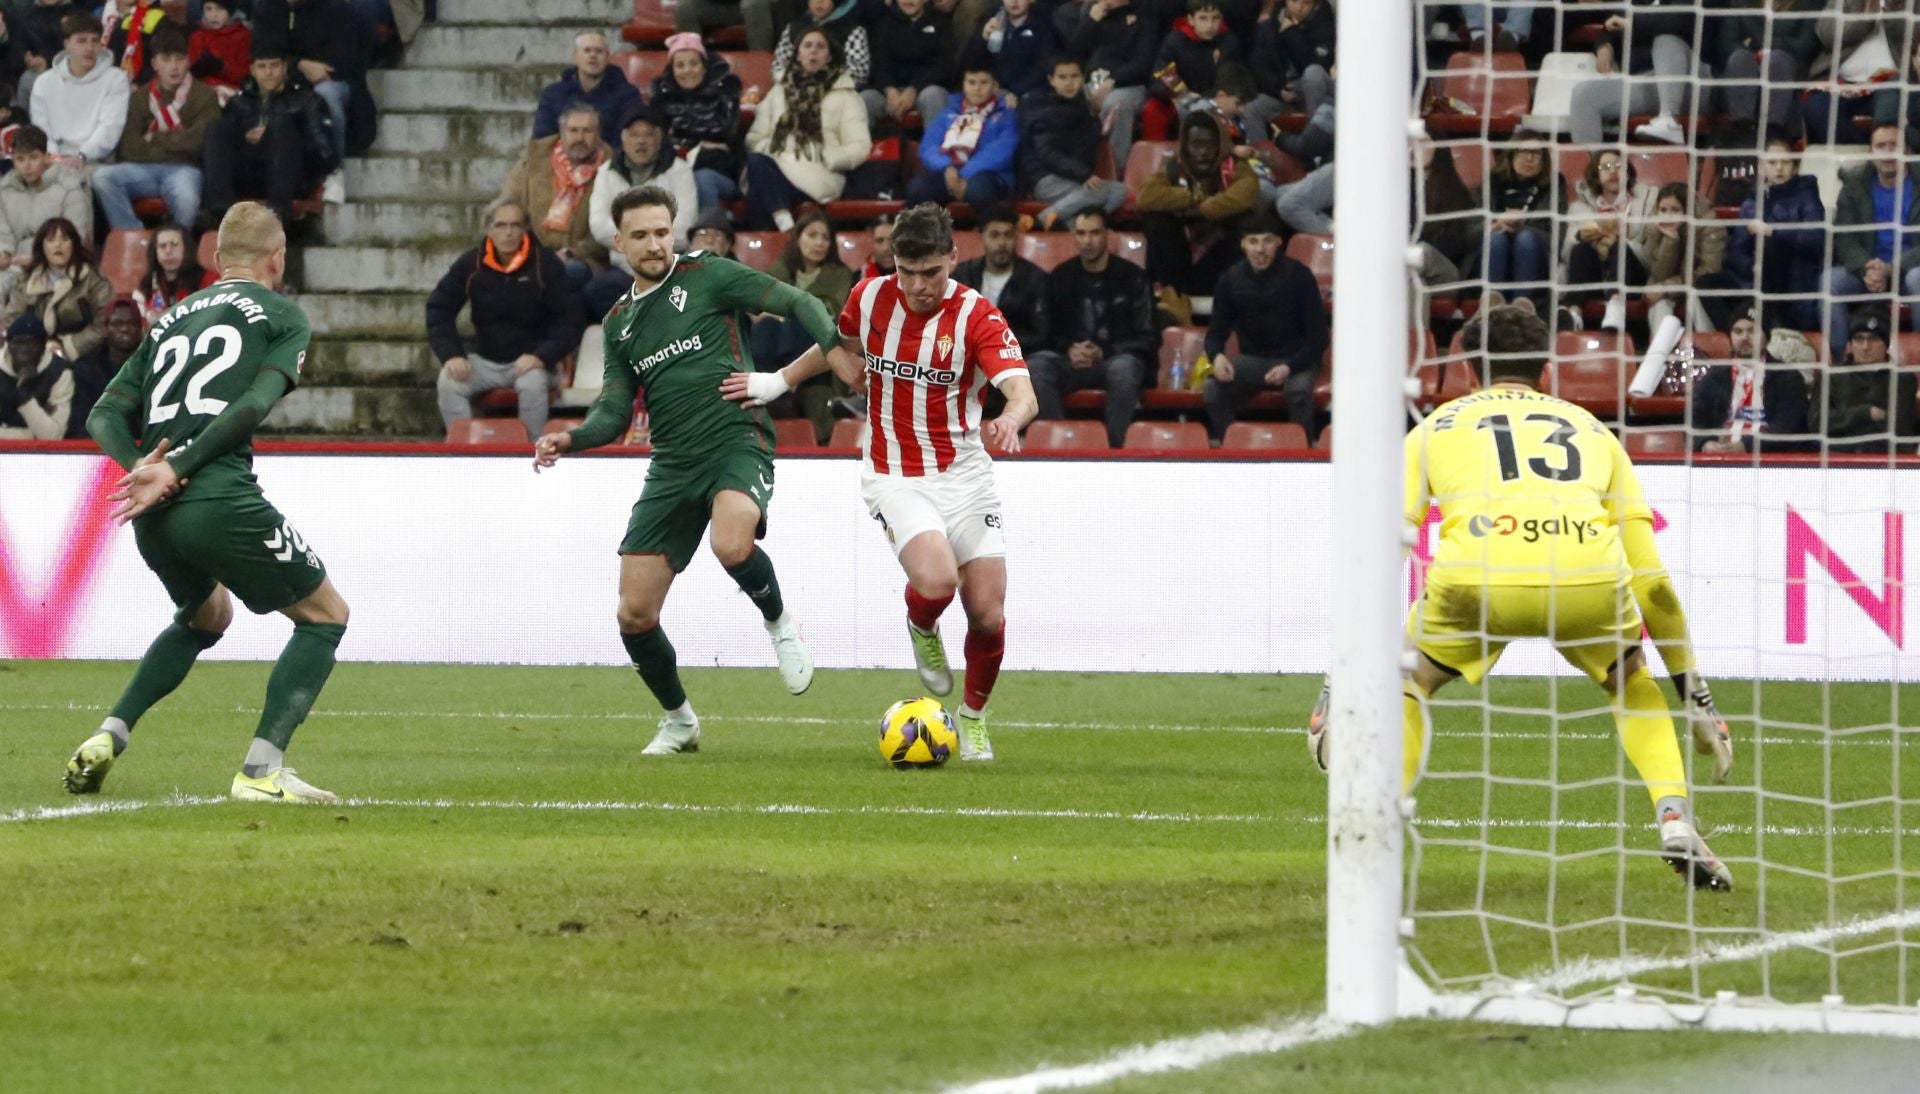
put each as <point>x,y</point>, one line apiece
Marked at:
<point>1646,732</point>
<point>1413,728</point>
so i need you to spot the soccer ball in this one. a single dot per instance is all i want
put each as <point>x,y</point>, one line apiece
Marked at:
<point>917,733</point>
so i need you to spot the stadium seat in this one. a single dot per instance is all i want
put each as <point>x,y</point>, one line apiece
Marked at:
<point>1709,346</point>
<point>855,249</point>
<point>759,249</point>
<point>1325,443</point>
<point>1047,249</point>
<point>793,434</point>
<point>1145,158</point>
<point>152,210</point>
<point>123,260</point>
<point>1480,94</point>
<point>1422,353</point>
<point>1189,343</point>
<point>487,431</point>
<point>967,246</point>
<point>1553,90</point>
<point>640,67</point>
<point>1316,253</point>
<point>1906,349</point>
<point>1592,369</point>
<point>1131,246</point>
<point>1265,437</point>
<point>210,252</point>
<point>755,70</point>
<point>1571,162</point>
<point>652,23</point>
<point>1167,437</point>
<point>1657,442</point>
<point>850,433</point>
<point>1657,168</point>
<point>1051,436</point>
<point>1471,161</point>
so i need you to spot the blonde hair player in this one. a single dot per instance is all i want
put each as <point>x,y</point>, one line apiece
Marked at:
<point>1545,534</point>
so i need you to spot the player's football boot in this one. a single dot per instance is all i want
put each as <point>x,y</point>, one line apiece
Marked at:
<point>974,742</point>
<point>676,735</point>
<point>1711,737</point>
<point>1689,855</point>
<point>279,785</point>
<point>1317,723</point>
<point>930,655</point>
<point>90,763</point>
<point>796,664</point>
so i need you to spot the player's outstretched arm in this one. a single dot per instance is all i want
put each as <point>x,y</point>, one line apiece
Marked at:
<point>761,388</point>
<point>1667,624</point>
<point>607,419</point>
<point>1003,432</point>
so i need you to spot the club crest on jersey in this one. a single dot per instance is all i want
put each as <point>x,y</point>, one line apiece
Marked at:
<point>907,370</point>
<point>678,298</point>
<point>945,346</point>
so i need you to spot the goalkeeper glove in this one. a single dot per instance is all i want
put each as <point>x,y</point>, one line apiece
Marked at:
<point>1711,737</point>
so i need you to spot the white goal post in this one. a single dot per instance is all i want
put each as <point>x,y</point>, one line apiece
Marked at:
<point>1840,960</point>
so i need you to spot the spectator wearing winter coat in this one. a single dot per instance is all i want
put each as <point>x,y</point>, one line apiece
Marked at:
<point>840,21</point>
<point>36,384</point>
<point>1866,43</point>
<point>1271,304</point>
<point>1779,244</point>
<point>1017,43</point>
<point>1682,248</point>
<point>128,37</point>
<point>968,151</point>
<point>526,317</point>
<point>1872,253</point>
<point>1776,41</point>
<point>1196,202</point>
<point>913,62</point>
<point>1292,58</point>
<point>164,141</point>
<point>553,181</point>
<point>589,81</point>
<point>1609,207</point>
<point>1190,55</point>
<point>1752,399</point>
<point>1100,315</point>
<point>810,263</point>
<point>273,142</point>
<point>63,287</point>
<point>1059,141</point>
<point>328,43</point>
<point>808,133</point>
<point>1863,396</point>
<point>220,51</point>
<point>92,372</point>
<point>37,190</point>
<point>80,100</point>
<point>700,98</point>
<point>644,158</point>
<point>173,274</point>
<point>1117,39</point>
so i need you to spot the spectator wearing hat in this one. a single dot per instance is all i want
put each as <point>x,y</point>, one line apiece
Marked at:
<point>700,97</point>
<point>92,372</point>
<point>526,317</point>
<point>590,82</point>
<point>1753,400</point>
<point>643,158</point>
<point>164,140</point>
<point>1863,404</point>
<point>220,51</point>
<point>38,189</point>
<point>713,233</point>
<point>36,384</point>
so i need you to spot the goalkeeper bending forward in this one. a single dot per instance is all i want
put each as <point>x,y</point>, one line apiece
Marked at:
<point>1545,533</point>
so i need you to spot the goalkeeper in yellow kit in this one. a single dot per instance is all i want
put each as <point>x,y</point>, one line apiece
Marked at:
<point>1545,533</point>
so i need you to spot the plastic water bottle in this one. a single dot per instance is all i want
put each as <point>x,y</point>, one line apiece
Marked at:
<point>1179,374</point>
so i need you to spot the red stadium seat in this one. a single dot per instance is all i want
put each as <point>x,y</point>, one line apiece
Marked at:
<point>1657,442</point>
<point>1324,444</point>
<point>1265,436</point>
<point>1048,436</point>
<point>851,433</point>
<point>793,434</point>
<point>1189,343</point>
<point>152,210</point>
<point>1047,249</point>
<point>1906,349</point>
<point>1591,368</point>
<point>210,252</point>
<point>756,75</point>
<point>487,431</point>
<point>967,246</point>
<point>123,260</point>
<point>1657,168</point>
<point>759,249</point>
<point>1145,158</point>
<point>1316,253</point>
<point>1490,92</point>
<point>1131,246</point>
<point>641,67</point>
<point>652,23</point>
<point>1421,354</point>
<point>1166,437</point>
<point>855,249</point>
<point>1471,161</point>
<point>1709,346</point>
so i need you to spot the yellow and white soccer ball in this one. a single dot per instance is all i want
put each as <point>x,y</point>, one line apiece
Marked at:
<point>917,733</point>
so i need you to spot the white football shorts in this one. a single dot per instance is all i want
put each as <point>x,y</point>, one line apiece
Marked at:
<point>959,503</point>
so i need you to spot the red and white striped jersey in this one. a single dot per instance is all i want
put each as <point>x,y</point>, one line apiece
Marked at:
<point>927,374</point>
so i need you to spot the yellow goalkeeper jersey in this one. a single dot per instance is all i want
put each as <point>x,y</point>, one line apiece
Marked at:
<point>1532,490</point>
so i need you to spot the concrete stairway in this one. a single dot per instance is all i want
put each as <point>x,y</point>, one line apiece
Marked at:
<point>452,121</point>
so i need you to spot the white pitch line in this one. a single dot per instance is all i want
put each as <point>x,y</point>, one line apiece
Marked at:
<point>1174,1054</point>
<point>1588,971</point>
<point>96,808</point>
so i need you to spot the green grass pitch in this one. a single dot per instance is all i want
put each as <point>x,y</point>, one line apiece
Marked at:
<point>540,907</point>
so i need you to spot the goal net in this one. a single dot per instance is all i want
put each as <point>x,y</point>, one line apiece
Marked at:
<point>1710,207</point>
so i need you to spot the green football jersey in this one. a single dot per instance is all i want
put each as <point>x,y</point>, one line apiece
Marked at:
<point>678,340</point>
<point>203,353</point>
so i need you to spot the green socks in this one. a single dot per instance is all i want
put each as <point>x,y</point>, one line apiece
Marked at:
<point>653,658</point>
<point>755,578</point>
<point>297,678</point>
<point>165,665</point>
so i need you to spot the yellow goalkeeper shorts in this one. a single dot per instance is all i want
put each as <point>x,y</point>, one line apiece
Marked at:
<point>1466,628</point>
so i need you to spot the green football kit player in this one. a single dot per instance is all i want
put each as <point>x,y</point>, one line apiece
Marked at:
<point>678,334</point>
<point>180,417</point>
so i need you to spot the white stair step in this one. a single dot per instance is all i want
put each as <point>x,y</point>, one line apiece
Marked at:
<point>375,269</point>
<point>354,361</point>
<point>485,46</point>
<point>392,314</point>
<point>440,134</point>
<point>475,179</point>
<point>400,221</point>
<point>610,13</point>
<point>504,90</point>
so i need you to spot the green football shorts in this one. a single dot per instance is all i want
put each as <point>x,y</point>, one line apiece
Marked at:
<point>242,543</point>
<point>672,513</point>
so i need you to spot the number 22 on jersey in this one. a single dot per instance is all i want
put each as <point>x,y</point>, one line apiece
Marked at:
<point>216,350</point>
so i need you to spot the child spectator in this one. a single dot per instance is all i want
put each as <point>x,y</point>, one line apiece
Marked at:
<point>129,36</point>
<point>80,101</point>
<point>1059,140</point>
<point>1765,252</point>
<point>220,52</point>
<point>1117,41</point>
<point>968,151</point>
<point>1185,69</point>
<point>1682,245</point>
<point>1016,43</point>
<point>173,273</point>
<point>37,190</point>
<point>1293,52</point>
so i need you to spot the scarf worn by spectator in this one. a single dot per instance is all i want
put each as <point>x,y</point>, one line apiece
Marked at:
<point>571,182</point>
<point>166,115</point>
<point>491,257</point>
<point>963,136</point>
<point>801,123</point>
<point>139,23</point>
